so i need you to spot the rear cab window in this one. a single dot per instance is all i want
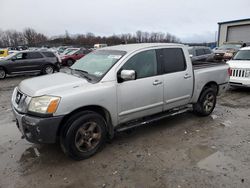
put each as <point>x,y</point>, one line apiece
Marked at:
<point>173,60</point>
<point>208,51</point>
<point>200,52</point>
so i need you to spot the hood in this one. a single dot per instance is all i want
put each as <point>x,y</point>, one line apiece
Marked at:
<point>239,64</point>
<point>50,84</point>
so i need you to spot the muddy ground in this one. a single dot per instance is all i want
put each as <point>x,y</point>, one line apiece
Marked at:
<point>181,151</point>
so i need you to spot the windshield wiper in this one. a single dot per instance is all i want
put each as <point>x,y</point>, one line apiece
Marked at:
<point>84,73</point>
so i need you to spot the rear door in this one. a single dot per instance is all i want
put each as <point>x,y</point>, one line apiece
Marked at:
<point>177,77</point>
<point>35,61</point>
<point>143,96</point>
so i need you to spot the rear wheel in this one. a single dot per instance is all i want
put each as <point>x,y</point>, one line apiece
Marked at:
<point>83,135</point>
<point>70,62</point>
<point>48,69</point>
<point>206,102</point>
<point>2,73</point>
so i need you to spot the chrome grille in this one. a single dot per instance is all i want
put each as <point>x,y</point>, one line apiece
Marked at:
<point>239,72</point>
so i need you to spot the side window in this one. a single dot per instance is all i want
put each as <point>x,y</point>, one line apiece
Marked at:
<point>199,52</point>
<point>48,54</point>
<point>208,51</point>
<point>173,60</point>
<point>33,55</point>
<point>19,56</point>
<point>144,63</point>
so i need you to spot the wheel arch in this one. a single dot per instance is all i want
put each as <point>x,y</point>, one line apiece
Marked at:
<point>94,108</point>
<point>211,84</point>
<point>5,69</point>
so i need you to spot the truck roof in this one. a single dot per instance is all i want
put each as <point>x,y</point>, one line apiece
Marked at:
<point>139,46</point>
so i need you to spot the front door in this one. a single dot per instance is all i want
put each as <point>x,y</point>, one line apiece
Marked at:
<point>144,95</point>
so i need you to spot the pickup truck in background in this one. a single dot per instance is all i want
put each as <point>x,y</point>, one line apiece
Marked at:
<point>114,89</point>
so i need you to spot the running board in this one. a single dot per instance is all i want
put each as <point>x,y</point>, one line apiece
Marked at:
<point>150,119</point>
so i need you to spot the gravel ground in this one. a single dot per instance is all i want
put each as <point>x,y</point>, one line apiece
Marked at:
<point>180,151</point>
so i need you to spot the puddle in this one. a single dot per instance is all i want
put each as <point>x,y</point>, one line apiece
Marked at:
<point>219,163</point>
<point>200,152</point>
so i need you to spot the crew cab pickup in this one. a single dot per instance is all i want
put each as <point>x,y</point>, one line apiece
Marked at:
<point>114,89</point>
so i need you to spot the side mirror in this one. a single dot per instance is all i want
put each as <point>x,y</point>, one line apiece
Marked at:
<point>128,75</point>
<point>190,55</point>
<point>13,58</point>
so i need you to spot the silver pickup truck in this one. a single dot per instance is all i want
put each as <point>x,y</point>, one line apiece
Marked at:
<point>114,89</point>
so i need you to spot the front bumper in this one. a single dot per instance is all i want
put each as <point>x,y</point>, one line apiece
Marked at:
<point>37,129</point>
<point>239,82</point>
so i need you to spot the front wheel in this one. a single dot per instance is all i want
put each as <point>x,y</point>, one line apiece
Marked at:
<point>84,135</point>
<point>70,62</point>
<point>2,73</point>
<point>206,102</point>
<point>48,69</point>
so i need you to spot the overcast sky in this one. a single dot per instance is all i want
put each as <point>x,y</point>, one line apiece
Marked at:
<point>190,20</point>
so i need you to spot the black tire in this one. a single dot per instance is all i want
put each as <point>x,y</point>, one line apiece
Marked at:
<point>2,73</point>
<point>78,141</point>
<point>70,62</point>
<point>48,69</point>
<point>206,102</point>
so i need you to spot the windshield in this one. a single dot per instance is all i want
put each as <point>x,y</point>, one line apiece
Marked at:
<point>230,46</point>
<point>242,55</point>
<point>98,62</point>
<point>71,52</point>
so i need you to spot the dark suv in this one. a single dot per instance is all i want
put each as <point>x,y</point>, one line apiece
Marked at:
<point>44,62</point>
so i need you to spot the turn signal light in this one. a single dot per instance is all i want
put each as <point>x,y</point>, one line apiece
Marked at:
<point>229,70</point>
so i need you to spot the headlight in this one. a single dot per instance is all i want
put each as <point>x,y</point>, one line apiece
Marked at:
<point>44,104</point>
<point>228,54</point>
<point>247,73</point>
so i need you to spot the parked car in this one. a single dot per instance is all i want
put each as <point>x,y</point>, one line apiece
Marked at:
<point>72,56</point>
<point>201,53</point>
<point>227,50</point>
<point>99,95</point>
<point>96,46</point>
<point>29,62</point>
<point>61,49</point>
<point>240,67</point>
<point>3,53</point>
<point>68,50</point>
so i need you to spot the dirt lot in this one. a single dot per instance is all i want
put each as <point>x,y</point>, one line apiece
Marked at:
<point>182,151</point>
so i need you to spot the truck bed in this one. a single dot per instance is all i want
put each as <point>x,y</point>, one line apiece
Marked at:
<point>201,65</point>
<point>205,72</point>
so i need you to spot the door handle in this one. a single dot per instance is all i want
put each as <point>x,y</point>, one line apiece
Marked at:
<point>187,76</point>
<point>157,82</point>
